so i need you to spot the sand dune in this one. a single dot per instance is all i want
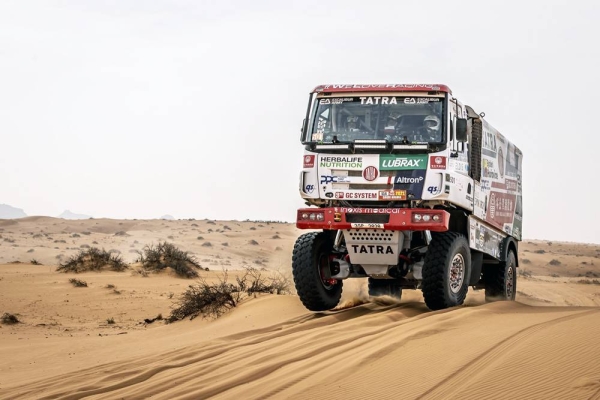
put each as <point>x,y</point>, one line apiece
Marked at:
<point>542,346</point>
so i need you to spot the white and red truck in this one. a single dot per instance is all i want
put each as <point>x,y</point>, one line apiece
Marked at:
<point>410,188</point>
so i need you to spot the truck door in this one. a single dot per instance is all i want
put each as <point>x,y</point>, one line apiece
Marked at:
<point>459,159</point>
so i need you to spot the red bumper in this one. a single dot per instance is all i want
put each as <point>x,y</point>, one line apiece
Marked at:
<point>395,219</point>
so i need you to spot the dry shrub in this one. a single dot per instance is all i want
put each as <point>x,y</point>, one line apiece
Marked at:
<point>213,300</point>
<point>165,255</point>
<point>35,262</point>
<point>589,282</point>
<point>554,262</point>
<point>9,319</point>
<point>253,242</point>
<point>93,259</point>
<point>525,261</point>
<point>78,283</point>
<point>541,251</point>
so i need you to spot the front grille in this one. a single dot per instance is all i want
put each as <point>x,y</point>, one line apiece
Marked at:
<point>368,218</point>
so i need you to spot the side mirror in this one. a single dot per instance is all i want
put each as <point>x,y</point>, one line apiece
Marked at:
<point>461,130</point>
<point>302,130</point>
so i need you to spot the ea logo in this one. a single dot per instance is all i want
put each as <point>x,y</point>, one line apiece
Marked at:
<point>370,174</point>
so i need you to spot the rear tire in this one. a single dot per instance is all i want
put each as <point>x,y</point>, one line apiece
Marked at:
<point>446,271</point>
<point>310,261</point>
<point>385,287</point>
<point>501,280</point>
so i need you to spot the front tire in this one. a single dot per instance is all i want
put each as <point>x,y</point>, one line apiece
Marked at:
<point>385,287</point>
<point>501,280</point>
<point>446,271</point>
<point>310,266</point>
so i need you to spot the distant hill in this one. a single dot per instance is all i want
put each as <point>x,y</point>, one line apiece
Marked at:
<point>69,215</point>
<point>10,212</point>
<point>167,216</point>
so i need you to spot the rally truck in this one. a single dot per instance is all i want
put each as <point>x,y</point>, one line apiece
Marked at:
<point>410,188</point>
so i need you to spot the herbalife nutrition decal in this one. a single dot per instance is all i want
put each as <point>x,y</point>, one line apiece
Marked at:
<point>340,162</point>
<point>396,162</point>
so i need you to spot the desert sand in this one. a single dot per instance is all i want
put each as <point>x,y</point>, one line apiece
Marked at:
<point>542,346</point>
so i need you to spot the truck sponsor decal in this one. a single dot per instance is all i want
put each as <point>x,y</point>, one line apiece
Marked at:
<point>392,195</point>
<point>392,162</point>
<point>357,195</point>
<point>378,100</point>
<point>371,249</point>
<point>309,161</point>
<point>325,179</point>
<point>501,208</point>
<point>410,181</point>
<point>341,162</point>
<point>437,162</point>
<point>359,210</point>
<point>370,173</point>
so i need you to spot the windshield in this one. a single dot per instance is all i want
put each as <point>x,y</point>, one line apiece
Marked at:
<point>395,118</point>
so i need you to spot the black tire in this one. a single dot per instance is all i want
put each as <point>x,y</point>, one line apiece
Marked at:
<point>385,287</point>
<point>501,280</point>
<point>442,284</point>
<point>311,254</point>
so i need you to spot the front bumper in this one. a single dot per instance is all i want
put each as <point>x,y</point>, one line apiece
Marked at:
<point>398,219</point>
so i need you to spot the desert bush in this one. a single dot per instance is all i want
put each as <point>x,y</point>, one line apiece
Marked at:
<point>206,244</point>
<point>85,246</point>
<point>253,242</point>
<point>77,282</point>
<point>224,244</point>
<point>93,259</point>
<point>524,273</point>
<point>75,235</point>
<point>86,233</point>
<point>525,261</point>
<point>110,286</point>
<point>200,238</point>
<point>94,242</point>
<point>110,321</point>
<point>278,248</point>
<point>30,250</point>
<point>213,300</point>
<point>589,282</point>
<point>554,262</point>
<point>37,236</point>
<point>9,319</point>
<point>226,228</point>
<point>555,275</point>
<point>252,228</point>
<point>35,262</point>
<point>541,251</point>
<point>170,237</point>
<point>276,237</point>
<point>8,240</point>
<point>211,222</point>
<point>121,233</point>
<point>60,241</point>
<point>168,255</point>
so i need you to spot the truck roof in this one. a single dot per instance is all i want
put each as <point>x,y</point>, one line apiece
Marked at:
<point>383,87</point>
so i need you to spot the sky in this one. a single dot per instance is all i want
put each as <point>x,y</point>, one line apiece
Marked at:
<point>136,109</point>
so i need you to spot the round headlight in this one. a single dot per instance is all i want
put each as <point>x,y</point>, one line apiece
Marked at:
<point>426,217</point>
<point>312,217</point>
<point>417,217</point>
<point>436,218</point>
<point>304,215</point>
<point>320,217</point>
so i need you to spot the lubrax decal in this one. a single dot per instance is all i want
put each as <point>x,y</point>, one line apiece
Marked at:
<point>401,162</point>
<point>372,249</point>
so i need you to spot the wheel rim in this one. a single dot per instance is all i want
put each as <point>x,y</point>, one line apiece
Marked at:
<point>457,273</point>
<point>510,282</point>
<point>323,264</point>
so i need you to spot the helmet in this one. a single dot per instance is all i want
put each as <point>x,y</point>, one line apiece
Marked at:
<point>432,123</point>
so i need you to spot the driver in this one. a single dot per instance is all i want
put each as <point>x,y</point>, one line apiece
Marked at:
<point>431,128</point>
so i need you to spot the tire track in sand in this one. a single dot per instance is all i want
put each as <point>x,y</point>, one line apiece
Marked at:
<point>452,385</point>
